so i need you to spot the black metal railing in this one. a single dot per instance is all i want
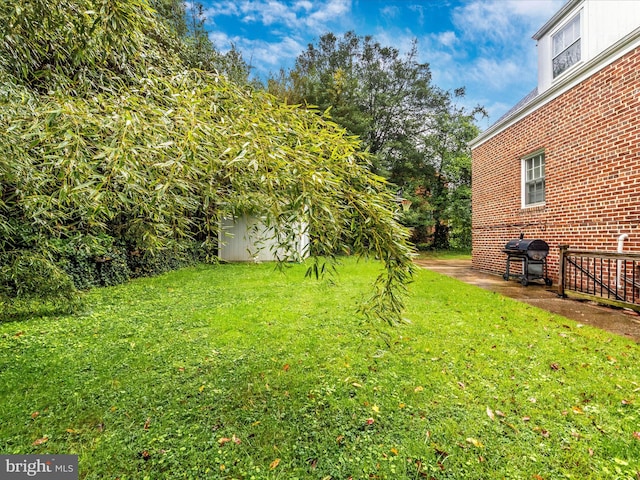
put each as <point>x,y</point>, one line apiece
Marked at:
<point>606,277</point>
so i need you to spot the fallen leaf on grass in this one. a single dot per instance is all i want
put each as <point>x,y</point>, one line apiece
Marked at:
<point>35,414</point>
<point>636,435</point>
<point>370,421</point>
<point>490,414</point>
<point>542,431</point>
<point>555,366</point>
<point>40,441</point>
<point>512,427</point>
<point>419,388</point>
<point>475,442</point>
<point>462,385</point>
<point>274,464</point>
<point>440,452</point>
<point>375,408</point>
<point>233,439</point>
<point>147,423</point>
<point>286,367</point>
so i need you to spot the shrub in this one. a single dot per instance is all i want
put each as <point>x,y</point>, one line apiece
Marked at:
<point>27,275</point>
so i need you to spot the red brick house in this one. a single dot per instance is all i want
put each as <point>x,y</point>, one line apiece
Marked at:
<point>564,164</point>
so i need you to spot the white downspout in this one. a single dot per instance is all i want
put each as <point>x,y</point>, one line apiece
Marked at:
<point>621,240</point>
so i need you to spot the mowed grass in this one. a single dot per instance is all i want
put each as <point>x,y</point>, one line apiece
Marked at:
<point>444,255</point>
<point>240,372</point>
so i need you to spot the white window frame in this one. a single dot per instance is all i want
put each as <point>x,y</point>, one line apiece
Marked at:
<point>568,43</point>
<point>537,176</point>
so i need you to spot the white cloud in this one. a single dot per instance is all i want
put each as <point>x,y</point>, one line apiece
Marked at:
<point>447,39</point>
<point>419,9</point>
<point>270,56</point>
<point>271,12</point>
<point>503,20</point>
<point>299,16</point>
<point>265,57</point>
<point>326,13</point>
<point>389,11</point>
<point>497,74</point>
<point>222,41</point>
<point>303,5</point>
<point>221,8</point>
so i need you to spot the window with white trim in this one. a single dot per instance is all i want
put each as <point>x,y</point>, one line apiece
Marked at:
<point>567,49</point>
<point>533,180</point>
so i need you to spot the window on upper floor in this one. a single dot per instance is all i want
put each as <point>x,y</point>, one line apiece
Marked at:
<point>566,46</point>
<point>533,180</point>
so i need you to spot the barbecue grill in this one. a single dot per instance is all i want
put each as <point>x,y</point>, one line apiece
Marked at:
<point>532,255</point>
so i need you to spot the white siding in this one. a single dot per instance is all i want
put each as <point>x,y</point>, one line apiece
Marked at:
<point>607,21</point>
<point>603,23</point>
<point>245,239</point>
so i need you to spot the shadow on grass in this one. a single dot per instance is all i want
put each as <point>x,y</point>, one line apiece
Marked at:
<point>24,310</point>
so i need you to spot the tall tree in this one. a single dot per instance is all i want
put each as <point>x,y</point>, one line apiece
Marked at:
<point>372,90</point>
<point>448,178</point>
<point>412,127</point>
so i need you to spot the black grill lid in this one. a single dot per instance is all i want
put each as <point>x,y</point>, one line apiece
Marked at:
<point>525,244</point>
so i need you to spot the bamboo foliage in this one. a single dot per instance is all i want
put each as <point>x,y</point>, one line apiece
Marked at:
<point>107,134</point>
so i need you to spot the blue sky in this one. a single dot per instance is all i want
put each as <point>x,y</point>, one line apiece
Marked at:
<point>483,45</point>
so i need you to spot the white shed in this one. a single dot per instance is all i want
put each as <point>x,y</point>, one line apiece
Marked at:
<point>246,239</point>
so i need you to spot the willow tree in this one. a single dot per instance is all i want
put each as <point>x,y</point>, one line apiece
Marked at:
<point>108,135</point>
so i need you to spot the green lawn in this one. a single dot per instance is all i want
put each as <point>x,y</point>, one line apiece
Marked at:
<point>444,255</point>
<point>240,372</point>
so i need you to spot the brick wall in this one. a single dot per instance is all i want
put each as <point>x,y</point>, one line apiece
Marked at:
<point>591,140</point>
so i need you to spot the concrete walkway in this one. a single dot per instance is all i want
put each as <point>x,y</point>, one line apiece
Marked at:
<point>621,322</point>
